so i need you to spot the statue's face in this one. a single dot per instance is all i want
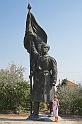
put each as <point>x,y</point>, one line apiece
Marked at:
<point>45,49</point>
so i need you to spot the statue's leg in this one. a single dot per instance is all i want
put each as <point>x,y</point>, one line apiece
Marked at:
<point>36,108</point>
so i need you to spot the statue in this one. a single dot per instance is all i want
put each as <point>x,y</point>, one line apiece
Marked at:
<point>43,68</point>
<point>45,76</point>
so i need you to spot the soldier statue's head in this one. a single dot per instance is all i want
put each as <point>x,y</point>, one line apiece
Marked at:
<point>45,48</point>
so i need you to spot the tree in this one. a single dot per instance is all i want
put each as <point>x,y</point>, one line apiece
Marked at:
<point>14,90</point>
<point>64,81</point>
<point>70,100</point>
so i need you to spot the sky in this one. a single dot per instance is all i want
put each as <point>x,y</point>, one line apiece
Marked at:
<point>61,20</point>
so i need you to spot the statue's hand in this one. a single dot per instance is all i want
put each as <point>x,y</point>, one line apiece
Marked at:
<point>53,84</point>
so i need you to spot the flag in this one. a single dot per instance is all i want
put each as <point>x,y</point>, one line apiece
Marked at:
<point>33,32</point>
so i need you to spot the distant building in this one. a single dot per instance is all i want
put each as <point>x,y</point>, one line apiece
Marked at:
<point>67,83</point>
<point>71,84</point>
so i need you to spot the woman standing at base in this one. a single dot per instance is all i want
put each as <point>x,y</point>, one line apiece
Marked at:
<point>55,108</point>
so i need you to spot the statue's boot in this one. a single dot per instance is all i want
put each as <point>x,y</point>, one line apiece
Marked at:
<point>36,109</point>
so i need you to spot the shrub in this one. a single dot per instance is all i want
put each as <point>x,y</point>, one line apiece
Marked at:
<point>14,90</point>
<point>70,100</point>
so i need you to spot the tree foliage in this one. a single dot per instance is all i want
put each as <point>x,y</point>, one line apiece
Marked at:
<point>14,90</point>
<point>70,100</point>
<point>64,82</point>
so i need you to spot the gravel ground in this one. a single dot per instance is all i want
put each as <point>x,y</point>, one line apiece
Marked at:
<point>22,119</point>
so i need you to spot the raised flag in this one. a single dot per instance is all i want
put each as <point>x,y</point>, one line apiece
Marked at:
<point>33,32</point>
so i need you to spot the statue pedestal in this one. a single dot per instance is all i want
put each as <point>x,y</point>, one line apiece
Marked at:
<point>41,117</point>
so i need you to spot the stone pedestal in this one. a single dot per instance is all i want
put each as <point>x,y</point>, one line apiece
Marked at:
<point>41,117</point>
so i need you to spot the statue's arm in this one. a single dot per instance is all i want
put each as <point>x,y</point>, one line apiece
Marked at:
<point>54,72</point>
<point>33,49</point>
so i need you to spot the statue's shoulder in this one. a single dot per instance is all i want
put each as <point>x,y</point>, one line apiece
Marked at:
<point>53,60</point>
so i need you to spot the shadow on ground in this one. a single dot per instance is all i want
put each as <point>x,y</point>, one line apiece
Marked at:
<point>43,118</point>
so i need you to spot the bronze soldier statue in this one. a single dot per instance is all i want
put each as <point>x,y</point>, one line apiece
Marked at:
<point>45,77</point>
<point>43,67</point>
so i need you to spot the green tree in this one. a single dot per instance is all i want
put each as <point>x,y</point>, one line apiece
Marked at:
<point>70,100</point>
<point>14,90</point>
<point>64,81</point>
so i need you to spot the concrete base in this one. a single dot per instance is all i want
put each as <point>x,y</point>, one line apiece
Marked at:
<point>41,117</point>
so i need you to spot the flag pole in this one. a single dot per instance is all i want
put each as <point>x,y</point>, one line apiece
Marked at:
<point>30,77</point>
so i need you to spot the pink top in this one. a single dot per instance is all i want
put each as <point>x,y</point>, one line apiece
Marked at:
<point>55,103</point>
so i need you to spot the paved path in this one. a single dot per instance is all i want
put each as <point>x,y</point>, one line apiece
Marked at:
<point>22,119</point>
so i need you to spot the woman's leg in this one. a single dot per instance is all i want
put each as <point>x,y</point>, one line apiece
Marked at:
<point>56,115</point>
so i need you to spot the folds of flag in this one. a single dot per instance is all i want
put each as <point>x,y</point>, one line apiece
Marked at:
<point>33,32</point>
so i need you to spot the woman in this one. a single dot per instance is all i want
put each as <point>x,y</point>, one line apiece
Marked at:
<point>55,108</point>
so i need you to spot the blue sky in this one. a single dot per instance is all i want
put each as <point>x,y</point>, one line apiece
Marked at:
<point>62,21</point>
